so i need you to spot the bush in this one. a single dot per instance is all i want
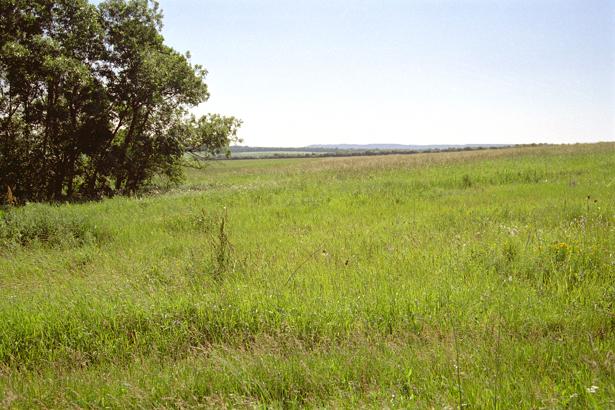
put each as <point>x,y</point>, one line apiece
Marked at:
<point>48,226</point>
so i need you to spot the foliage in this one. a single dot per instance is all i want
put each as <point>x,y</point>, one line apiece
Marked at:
<point>47,226</point>
<point>93,102</point>
<point>406,288</point>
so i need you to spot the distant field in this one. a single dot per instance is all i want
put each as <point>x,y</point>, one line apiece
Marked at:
<point>239,152</point>
<point>268,154</point>
<point>480,278</point>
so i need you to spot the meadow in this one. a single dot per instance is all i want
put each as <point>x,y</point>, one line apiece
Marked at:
<point>479,279</point>
<point>272,154</point>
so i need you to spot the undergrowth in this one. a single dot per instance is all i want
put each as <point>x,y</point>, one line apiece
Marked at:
<point>50,226</point>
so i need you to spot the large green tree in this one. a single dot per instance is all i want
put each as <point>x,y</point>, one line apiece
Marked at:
<point>93,102</point>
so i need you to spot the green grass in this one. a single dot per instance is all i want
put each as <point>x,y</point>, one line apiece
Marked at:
<point>417,281</point>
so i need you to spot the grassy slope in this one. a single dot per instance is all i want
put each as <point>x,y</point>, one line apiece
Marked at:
<point>337,282</point>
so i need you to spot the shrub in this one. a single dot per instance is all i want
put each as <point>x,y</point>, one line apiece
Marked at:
<point>48,226</point>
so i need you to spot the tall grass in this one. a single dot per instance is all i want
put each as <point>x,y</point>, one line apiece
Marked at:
<point>325,282</point>
<point>50,226</point>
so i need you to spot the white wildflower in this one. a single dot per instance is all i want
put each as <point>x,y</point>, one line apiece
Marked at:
<point>592,389</point>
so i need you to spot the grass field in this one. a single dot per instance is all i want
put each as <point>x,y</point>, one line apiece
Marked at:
<point>274,154</point>
<point>485,278</point>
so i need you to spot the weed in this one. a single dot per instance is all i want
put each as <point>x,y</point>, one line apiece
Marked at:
<point>457,361</point>
<point>466,182</point>
<point>222,247</point>
<point>318,249</point>
<point>10,198</point>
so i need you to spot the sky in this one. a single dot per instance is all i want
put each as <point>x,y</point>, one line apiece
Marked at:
<point>301,72</point>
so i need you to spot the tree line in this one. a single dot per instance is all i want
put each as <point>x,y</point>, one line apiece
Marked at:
<point>94,103</point>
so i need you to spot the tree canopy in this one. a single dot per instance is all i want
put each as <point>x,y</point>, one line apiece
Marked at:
<point>93,102</point>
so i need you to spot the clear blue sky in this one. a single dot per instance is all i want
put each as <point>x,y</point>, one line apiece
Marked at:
<point>404,71</point>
